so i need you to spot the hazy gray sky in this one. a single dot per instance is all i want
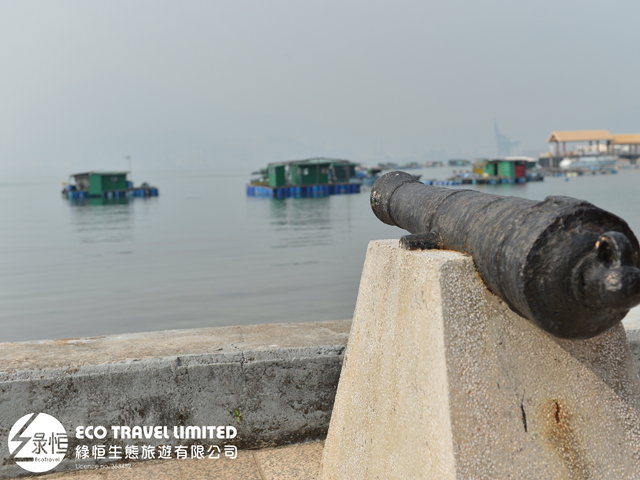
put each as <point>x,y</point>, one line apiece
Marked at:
<point>242,83</point>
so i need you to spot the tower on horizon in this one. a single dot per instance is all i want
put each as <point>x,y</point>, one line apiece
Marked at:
<point>504,143</point>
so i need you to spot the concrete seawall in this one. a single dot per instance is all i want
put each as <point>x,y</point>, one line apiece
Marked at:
<point>281,378</point>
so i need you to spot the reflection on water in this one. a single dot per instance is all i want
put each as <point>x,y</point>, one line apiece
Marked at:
<point>301,222</point>
<point>102,220</point>
<point>83,202</point>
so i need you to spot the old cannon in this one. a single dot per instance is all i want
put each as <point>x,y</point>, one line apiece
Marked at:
<point>564,264</point>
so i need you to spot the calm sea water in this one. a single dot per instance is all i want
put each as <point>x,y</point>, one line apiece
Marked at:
<point>203,254</point>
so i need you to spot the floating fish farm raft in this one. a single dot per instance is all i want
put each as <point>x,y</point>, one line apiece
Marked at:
<point>302,191</point>
<point>495,172</point>
<point>315,177</point>
<point>486,180</point>
<point>107,185</point>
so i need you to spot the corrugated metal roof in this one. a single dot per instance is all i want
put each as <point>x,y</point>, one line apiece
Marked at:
<point>520,158</point>
<point>316,160</point>
<point>626,138</point>
<point>504,159</point>
<point>580,136</point>
<point>99,172</point>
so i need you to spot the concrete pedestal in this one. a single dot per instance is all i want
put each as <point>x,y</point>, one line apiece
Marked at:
<point>441,380</point>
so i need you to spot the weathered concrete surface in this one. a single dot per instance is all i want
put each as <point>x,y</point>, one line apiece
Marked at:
<point>282,378</point>
<point>442,381</point>
<point>634,342</point>
<point>632,326</point>
<point>76,352</point>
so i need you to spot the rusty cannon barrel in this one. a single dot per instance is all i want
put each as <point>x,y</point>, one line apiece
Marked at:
<point>564,264</point>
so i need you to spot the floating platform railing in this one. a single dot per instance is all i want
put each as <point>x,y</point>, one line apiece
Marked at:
<point>302,191</point>
<point>131,192</point>
<point>484,180</point>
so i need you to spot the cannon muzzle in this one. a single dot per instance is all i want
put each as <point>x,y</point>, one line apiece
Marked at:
<point>564,264</point>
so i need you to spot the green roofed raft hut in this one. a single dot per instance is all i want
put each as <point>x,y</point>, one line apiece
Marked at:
<point>314,177</point>
<point>108,185</point>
